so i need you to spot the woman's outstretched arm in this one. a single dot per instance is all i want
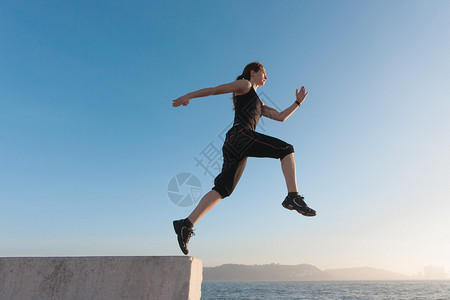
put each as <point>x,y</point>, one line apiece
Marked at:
<point>273,114</point>
<point>235,86</point>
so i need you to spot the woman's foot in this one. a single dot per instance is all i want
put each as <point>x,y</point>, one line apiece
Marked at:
<point>297,203</point>
<point>184,233</point>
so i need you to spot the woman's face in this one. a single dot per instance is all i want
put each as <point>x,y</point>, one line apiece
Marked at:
<point>260,77</point>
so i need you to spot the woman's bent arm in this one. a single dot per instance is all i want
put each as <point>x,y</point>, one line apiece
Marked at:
<point>301,96</point>
<point>274,114</point>
<point>288,112</point>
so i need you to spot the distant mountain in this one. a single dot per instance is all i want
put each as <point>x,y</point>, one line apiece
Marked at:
<point>364,273</point>
<point>303,272</point>
<point>271,272</point>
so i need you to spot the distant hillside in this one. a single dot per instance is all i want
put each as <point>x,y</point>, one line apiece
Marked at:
<point>270,272</point>
<point>364,273</point>
<point>303,272</point>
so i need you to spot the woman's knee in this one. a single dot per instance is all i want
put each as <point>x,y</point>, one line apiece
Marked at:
<point>288,150</point>
<point>222,191</point>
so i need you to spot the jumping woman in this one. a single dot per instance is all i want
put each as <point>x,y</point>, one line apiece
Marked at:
<point>243,141</point>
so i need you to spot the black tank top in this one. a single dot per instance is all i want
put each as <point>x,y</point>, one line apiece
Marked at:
<point>247,110</point>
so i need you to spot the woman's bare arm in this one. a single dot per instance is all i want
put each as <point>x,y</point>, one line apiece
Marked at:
<point>235,86</point>
<point>273,114</point>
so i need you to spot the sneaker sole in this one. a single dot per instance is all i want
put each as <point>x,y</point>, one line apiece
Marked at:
<point>300,212</point>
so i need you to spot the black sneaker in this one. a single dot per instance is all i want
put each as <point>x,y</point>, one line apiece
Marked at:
<point>184,234</point>
<point>299,205</point>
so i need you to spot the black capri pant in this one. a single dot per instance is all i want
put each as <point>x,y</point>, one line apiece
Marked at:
<point>239,144</point>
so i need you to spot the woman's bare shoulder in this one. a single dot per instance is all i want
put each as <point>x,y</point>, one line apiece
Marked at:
<point>245,86</point>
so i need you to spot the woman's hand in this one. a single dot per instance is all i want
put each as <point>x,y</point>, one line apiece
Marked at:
<point>301,96</point>
<point>183,100</point>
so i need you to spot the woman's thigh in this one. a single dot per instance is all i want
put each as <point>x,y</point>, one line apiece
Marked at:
<point>255,144</point>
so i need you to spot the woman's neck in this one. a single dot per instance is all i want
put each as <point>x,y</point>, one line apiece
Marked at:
<point>254,85</point>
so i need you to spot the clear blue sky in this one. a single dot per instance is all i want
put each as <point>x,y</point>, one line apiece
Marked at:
<point>89,140</point>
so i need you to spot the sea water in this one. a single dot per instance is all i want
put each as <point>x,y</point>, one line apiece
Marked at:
<point>332,290</point>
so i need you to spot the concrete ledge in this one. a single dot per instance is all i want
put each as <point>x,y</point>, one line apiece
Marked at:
<point>111,277</point>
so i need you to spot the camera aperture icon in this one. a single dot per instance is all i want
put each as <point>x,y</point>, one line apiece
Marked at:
<point>184,190</point>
